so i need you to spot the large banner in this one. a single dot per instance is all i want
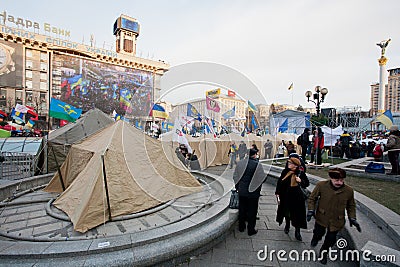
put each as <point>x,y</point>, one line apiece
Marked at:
<point>11,60</point>
<point>87,84</point>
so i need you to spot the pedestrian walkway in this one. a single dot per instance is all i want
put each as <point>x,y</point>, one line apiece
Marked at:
<point>238,249</point>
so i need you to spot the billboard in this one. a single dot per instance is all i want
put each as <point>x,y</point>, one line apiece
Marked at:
<point>11,64</point>
<point>87,84</point>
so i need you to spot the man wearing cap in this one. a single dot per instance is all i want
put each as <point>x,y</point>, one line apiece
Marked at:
<point>393,148</point>
<point>334,198</point>
<point>248,177</point>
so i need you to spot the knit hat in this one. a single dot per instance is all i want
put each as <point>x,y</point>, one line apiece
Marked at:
<point>295,161</point>
<point>337,173</point>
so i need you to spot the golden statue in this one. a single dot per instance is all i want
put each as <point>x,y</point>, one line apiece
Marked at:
<point>383,46</point>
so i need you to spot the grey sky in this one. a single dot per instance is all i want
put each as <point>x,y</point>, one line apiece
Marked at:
<point>273,43</point>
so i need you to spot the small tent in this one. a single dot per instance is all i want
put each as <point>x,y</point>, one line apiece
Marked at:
<point>122,168</point>
<point>61,139</point>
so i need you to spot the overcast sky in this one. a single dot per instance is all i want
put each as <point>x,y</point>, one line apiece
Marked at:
<point>273,43</point>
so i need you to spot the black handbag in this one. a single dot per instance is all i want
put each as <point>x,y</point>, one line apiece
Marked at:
<point>306,193</point>
<point>234,201</point>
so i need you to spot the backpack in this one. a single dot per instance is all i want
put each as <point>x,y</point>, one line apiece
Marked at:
<point>373,167</point>
<point>300,140</point>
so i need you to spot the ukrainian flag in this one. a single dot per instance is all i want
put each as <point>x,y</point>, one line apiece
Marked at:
<point>158,112</point>
<point>251,106</point>
<point>386,118</point>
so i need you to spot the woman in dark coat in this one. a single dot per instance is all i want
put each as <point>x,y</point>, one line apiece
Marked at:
<point>290,198</point>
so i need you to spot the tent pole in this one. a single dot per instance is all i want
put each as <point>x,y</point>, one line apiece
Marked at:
<point>58,169</point>
<point>105,184</point>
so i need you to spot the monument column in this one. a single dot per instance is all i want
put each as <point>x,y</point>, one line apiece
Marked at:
<point>382,76</point>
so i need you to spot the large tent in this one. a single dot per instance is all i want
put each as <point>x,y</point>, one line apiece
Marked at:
<point>61,139</point>
<point>289,121</point>
<point>122,168</point>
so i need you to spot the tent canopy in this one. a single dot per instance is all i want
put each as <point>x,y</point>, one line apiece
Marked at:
<point>61,139</point>
<point>289,121</point>
<point>139,175</point>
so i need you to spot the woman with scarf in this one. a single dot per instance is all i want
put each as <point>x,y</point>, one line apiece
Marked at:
<point>290,197</point>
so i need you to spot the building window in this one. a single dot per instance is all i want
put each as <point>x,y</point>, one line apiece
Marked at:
<point>43,56</point>
<point>28,98</point>
<point>43,76</point>
<point>28,84</point>
<point>43,85</point>
<point>18,97</point>
<point>29,64</point>
<point>28,74</point>
<point>43,101</point>
<point>3,98</point>
<point>43,66</point>
<point>28,53</point>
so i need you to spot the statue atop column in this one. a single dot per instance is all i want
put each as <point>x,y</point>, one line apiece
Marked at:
<point>383,46</point>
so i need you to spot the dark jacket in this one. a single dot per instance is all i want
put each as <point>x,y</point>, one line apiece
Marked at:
<point>306,139</point>
<point>248,177</point>
<point>292,200</point>
<point>332,204</point>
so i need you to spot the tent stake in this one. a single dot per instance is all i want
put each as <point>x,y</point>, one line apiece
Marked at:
<point>105,184</point>
<point>58,169</point>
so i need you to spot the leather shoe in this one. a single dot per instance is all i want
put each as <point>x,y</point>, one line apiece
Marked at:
<point>298,235</point>
<point>314,242</point>
<point>250,233</point>
<point>286,230</point>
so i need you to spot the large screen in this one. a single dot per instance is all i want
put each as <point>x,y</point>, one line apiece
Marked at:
<point>11,68</point>
<point>130,25</point>
<point>88,84</point>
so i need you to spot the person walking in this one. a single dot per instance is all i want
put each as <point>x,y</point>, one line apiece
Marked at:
<point>290,197</point>
<point>333,197</point>
<point>232,154</point>
<point>345,139</point>
<point>393,148</point>
<point>248,178</point>
<point>319,145</point>
<point>281,150</point>
<point>268,149</point>
<point>242,151</point>
<point>290,148</point>
<point>305,143</point>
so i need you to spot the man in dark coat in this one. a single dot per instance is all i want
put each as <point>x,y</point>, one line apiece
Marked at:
<point>345,139</point>
<point>248,177</point>
<point>334,198</point>
<point>305,137</point>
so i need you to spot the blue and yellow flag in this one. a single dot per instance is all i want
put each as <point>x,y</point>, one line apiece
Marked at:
<point>158,112</point>
<point>63,111</point>
<point>192,112</point>
<point>230,113</point>
<point>251,106</point>
<point>386,118</point>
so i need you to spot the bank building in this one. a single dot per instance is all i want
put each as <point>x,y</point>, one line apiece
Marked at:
<point>35,67</point>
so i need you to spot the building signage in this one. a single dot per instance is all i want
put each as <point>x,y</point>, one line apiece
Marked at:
<point>57,41</point>
<point>26,23</point>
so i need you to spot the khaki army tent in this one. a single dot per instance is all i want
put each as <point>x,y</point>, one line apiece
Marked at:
<point>122,168</point>
<point>61,139</point>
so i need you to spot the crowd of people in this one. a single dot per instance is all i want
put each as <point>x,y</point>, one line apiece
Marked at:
<point>333,196</point>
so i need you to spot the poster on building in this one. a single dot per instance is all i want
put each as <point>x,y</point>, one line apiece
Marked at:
<point>11,60</point>
<point>87,84</point>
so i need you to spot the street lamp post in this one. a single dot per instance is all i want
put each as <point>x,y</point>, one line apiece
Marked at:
<point>318,97</point>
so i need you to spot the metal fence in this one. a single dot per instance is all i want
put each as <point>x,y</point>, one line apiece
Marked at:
<point>17,165</point>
